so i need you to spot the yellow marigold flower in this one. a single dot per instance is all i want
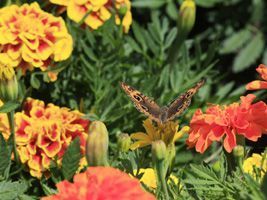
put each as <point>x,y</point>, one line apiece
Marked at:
<point>4,124</point>
<point>167,132</point>
<point>31,38</point>
<point>255,165</point>
<point>43,132</point>
<point>149,177</point>
<point>98,11</point>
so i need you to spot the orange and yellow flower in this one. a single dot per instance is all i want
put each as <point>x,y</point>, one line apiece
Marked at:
<point>256,85</point>
<point>31,38</point>
<point>98,11</point>
<point>167,132</point>
<point>43,132</point>
<point>101,183</point>
<point>256,166</point>
<point>244,119</point>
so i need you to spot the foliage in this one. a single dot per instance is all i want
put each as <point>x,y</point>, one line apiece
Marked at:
<point>229,37</point>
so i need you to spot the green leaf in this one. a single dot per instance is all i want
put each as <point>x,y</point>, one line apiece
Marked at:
<point>264,185</point>
<point>139,35</point>
<point>148,3</point>
<point>172,10</point>
<point>35,83</point>
<point>26,197</point>
<point>12,190</point>
<point>5,157</point>
<point>235,41</point>
<point>249,53</point>
<point>71,159</point>
<point>9,106</point>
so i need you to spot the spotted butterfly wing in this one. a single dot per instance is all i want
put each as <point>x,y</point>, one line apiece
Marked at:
<point>179,105</point>
<point>142,102</point>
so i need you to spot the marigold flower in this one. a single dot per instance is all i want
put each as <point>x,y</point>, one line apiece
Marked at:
<point>256,85</point>
<point>31,38</point>
<point>98,11</point>
<point>43,132</point>
<point>167,132</point>
<point>101,183</point>
<point>244,119</point>
<point>149,177</point>
<point>255,166</point>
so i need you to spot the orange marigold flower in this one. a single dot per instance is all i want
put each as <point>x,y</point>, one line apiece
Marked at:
<point>105,183</point>
<point>31,38</point>
<point>98,11</point>
<point>245,119</point>
<point>45,131</point>
<point>256,85</point>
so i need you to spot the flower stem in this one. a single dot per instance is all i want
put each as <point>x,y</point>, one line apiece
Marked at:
<point>13,137</point>
<point>161,174</point>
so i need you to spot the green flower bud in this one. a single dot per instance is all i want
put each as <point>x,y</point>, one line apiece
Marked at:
<point>9,89</point>
<point>124,142</point>
<point>122,10</point>
<point>159,150</point>
<point>97,144</point>
<point>187,17</point>
<point>217,166</point>
<point>239,151</point>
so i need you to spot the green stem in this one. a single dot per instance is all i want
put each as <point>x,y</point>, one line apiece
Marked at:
<point>13,137</point>
<point>161,174</point>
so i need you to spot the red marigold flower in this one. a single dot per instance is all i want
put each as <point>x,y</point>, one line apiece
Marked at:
<point>44,132</point>
<point>101,183</point>
<point>31,38</point>
<point>245,119</point>
<point>256,85</point>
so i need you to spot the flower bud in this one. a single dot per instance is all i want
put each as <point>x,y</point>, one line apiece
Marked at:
<point>124,142</point>
<point>122,10</point>
<point>239,151</point>
<point>9,88</point>
<point>187,16</point>
<point>97,144</point>
<point>159,150</point>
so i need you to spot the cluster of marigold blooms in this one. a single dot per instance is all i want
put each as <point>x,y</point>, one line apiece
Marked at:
<point>32,38</point>
<point>98,11</point>
<point>43,132</point>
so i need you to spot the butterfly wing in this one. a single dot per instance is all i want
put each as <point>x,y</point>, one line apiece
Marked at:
<point>142,102</point>
<point>179,105</point>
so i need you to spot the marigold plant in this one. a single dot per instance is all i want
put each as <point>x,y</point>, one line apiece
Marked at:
<point>98,11</point>
<point>43,132</point>
<point>31,38</point>
<point>227,122</point>
<point>101,183</point>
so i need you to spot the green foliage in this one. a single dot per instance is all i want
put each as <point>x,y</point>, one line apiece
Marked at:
<point>71,159</point>
<point>9,106</point>
<point>13,190</point>
<point>5,158</point>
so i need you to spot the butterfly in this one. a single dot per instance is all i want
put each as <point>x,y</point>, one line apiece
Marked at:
<point>161,114</point>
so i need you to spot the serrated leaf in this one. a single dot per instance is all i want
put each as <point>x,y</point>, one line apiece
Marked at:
<point>71,159</point>
<point>5,156</point>
<point>170,37</point>
<point>235,41</point>
<point>9,106</point>
<point>139,35</point>
<point>249,53</point>
<point>11,190</point>
<point>133,44</point>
